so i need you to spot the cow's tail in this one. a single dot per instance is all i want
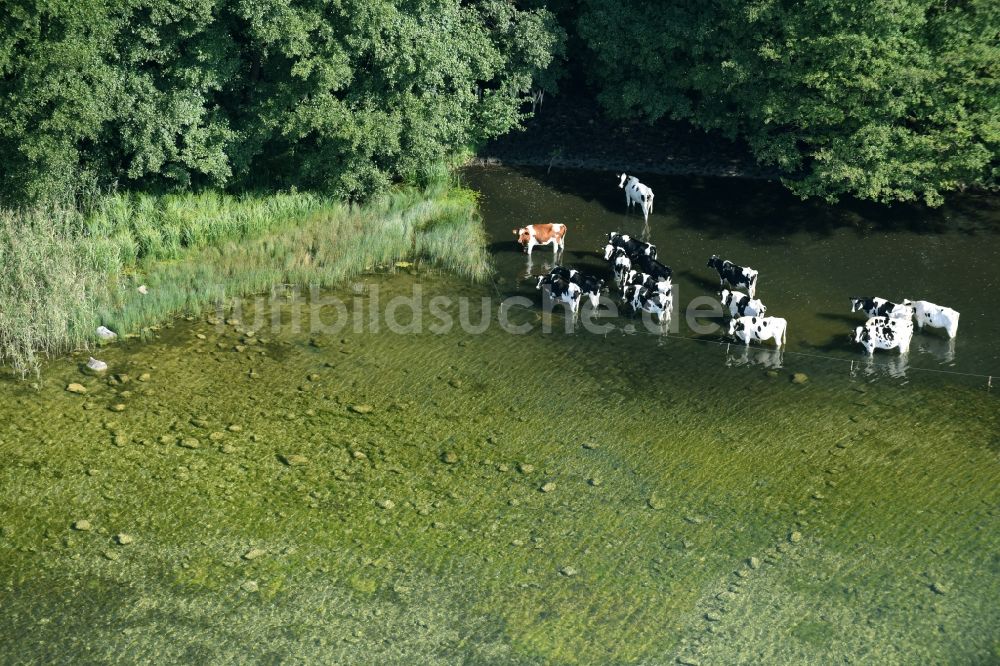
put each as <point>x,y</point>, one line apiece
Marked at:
<point>753,285</point>
<point>784,332</point>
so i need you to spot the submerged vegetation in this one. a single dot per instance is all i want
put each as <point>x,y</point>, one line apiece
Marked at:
<point>63,273</point>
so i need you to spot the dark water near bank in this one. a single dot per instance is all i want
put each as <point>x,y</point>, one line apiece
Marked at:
<point>352,495</point>
<point>812,258</point>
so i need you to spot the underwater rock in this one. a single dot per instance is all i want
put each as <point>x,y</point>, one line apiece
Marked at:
<point>94,365</point>
<point>548,487</point>
<point>123,539</point>
<point>455,383</point>
<point>449,457</point>
<point>712,616</point>
<point>227,448</point>
<point>525,468</point>
<point>795,537</point>
<point>754,563</point>
<point>76,388</point>
<point>800,378</point>
<point>235,428</point>
<point>939,588</point>
<point>314,377</point>
<point>199,423</point>
<point>117,407</point>
<point>82,526</point>
<point>250,586</point>
<point>771,373</point>
<point>656,503</point>
<point>293,460</point>
<point>217,436</point>
<point>143,289</point>
<point>254,553</point>
<point>594,481</point>
<point>106,334</point>
<point>362,409</point>
<point>144,377</point>
<point>590,445</point>
<point>568,571</point>
<point>189,443</point>
<point>387,504</point>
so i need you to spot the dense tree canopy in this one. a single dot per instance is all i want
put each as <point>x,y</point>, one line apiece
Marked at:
<point>340,95</point>
<point>884,99</point>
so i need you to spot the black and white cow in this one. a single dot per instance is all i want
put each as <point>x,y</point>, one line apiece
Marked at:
<point>655,268</point>
<point>935,316</point>
<point>759,328</point>
<point>741,305</point>
<point>635,277</point>
<point>654,302</point>
<point>637,193</point>
<point>619,260</point>
<point>589,285</point>
<point>885,333</point>
<point>562,291</point>
<point>736,276</point>
<point>634,248</point>
<point>873,306</point>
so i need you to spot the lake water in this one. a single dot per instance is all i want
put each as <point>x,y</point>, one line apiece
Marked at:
<point>348,494</point>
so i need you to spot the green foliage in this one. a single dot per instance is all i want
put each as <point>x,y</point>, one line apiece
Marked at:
<point>343,96</point>
<point>888,100</point>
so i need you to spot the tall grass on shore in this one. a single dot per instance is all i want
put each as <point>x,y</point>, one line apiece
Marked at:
<point>63,273</point>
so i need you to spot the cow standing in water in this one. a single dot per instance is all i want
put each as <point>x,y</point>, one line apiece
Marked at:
<point>637,193</point>
<point>759,328</point>
<point>885,333</point>
<point>736,276</point>
<point>542,234</point>
<point>935,316</point>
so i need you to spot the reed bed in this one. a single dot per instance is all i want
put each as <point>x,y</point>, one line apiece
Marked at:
<point>64,272</point>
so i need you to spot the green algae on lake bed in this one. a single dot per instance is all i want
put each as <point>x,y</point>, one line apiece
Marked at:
<point>735,518</point>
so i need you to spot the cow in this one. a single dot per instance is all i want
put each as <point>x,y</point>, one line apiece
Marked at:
<point>637,193</point>
<point>885,333</point>
<point>634,248</point>
<point>655,268</point>
<point>618,258</point>
<point>741,305</point>
<point>873,306</point>
<point>635,277</point>
<point>759,328</point>
<point>590,286</point>
<point>564,291</point>
<point>935,316</point>
<point>654,302</point>
<point>736,276</point>
<point>542,234</point>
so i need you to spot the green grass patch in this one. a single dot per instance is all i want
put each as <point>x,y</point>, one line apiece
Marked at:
<point>65,272</point>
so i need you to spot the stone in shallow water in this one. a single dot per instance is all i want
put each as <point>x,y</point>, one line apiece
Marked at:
<point>293,459</point>
<point>548,487</point>
<point>123,539</point>
<point>939,588</point>
<point>254,553</point>
<point>144,377</point>
<point>387,504</point>
<point>800,378</point>
<point>117,407</point>
<point>525,468</point>
<point>449,457</point>
<point>82,525</point>
<point>568,571</point>
<point>189,443</point>
<point>754,563</point>
<point>95,365</point>
<point>656,503</point>
<point>362,409</point>
<point>795,537</point>
<point>76,388</point>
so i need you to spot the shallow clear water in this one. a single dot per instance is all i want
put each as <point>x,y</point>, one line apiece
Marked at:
<point>700,508</point>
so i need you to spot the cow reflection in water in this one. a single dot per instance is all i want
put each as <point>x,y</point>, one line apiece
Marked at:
<point>942,349</point>
<point>770,359</point>
<point>544,268</point>
<point>885,366</point>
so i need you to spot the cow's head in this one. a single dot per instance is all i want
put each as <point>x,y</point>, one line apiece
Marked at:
<point>714,261</point>
<point>523,237</point>
<point>651,251</point>
<point>735,325</point>
<point>760,307</point>
<point>726,296</point>
<point>857,303</point>
<point>612,235</point>
<point>609,249</point>
<point>621,180</point>
<point>859,334</point>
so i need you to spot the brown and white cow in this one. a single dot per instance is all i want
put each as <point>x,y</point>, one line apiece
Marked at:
<point>542,234</point>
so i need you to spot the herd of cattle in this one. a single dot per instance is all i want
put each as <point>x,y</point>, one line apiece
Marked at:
<point>645,285</point>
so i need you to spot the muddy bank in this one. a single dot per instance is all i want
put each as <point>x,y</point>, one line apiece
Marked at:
<point>570,132</point>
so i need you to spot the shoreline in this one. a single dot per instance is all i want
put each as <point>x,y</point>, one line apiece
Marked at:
<point>570,132</point>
